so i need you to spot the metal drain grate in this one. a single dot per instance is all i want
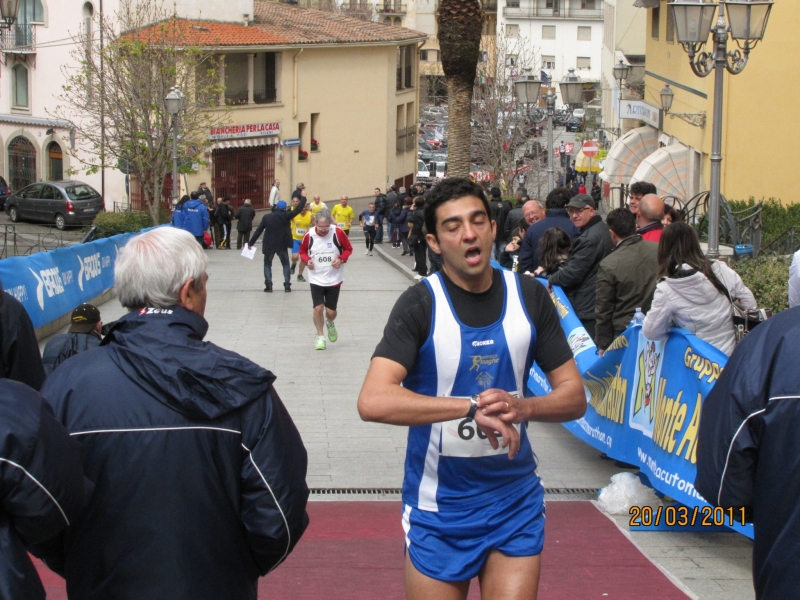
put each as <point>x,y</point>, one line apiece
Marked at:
<point>394,493</point>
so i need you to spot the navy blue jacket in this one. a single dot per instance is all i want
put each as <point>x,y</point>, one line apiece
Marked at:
<point>60,347</point>
<point>199,470</point>
<point>42,488</point>
<point>748,450</point>
<point>193,217</point>
<point>529,251</point>
<point>19,351</point>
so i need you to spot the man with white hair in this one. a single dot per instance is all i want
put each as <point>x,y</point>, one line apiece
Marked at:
<point>199,471</point>
<point>324,250</point>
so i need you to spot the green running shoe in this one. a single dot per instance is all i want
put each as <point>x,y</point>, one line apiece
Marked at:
<point>332,335</point>
<point>320,343</point>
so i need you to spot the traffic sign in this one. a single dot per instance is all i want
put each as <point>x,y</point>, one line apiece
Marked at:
<point>291,142</point>
<point>590,148</point>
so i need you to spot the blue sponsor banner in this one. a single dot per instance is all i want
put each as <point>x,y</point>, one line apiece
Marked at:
<point>644,400</point>
<point>51,284</point>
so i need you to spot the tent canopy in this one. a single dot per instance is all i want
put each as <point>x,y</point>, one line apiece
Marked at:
<point>667,169</point>
<point>627,153</point>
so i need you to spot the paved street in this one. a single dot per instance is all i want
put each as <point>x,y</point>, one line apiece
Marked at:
<point>320,390</point>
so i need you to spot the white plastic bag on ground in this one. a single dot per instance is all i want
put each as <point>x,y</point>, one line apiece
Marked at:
<point>624,491</point>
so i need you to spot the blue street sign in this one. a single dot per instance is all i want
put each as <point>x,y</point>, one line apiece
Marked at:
<point>291,142</point>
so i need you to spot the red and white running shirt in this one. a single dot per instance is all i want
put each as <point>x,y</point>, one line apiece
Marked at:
<point>323,250</point>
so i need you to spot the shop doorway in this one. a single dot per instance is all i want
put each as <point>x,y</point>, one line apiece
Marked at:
<point>21,163</point>
<point>243,173</point>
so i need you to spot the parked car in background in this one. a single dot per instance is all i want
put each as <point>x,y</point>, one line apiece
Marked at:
<point>62,203</point>
<point>422,169</point>
<point>574,125</point>
<point>424,147</point>
<point>5,192</point>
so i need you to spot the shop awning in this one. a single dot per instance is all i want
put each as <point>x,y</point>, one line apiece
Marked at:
<point>627,153</point>
<point>269,140</point>
<point>668,170</point>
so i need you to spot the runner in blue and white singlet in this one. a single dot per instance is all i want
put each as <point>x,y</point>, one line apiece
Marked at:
<point>450,464</point>
<point>452,366</point>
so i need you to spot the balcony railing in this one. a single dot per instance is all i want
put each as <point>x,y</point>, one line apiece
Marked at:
<point>522,10</point>
<point>391,8</point>
<point>490,6</point>
<point>21,38</point>
<point>260,96</point>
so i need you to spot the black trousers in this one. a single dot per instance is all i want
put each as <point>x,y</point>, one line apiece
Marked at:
<point>242,238</point>
<point>420,258</point>
<point>369,238</point>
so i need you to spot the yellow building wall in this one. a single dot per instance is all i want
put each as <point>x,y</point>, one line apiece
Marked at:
<point>353,91</point>
<point>759,108</point>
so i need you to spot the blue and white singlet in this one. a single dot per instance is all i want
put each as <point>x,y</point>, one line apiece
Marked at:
<point>449,466</point>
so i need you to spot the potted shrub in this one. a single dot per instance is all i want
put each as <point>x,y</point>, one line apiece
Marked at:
<point>302,155</point>
<point>314,146</point>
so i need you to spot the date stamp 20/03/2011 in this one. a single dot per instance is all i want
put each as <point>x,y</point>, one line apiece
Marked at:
<point>685,516</point>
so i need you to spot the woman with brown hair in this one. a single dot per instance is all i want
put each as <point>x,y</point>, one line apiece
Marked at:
<point>553,251</point>
<point>693,292</point>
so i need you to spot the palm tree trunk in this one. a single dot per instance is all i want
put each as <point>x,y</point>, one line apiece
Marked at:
<point>460,24</point>
<point>460,133</point>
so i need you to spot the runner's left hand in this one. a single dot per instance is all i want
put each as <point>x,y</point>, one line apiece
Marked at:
<point>501,404</point>
<point>336,263</point>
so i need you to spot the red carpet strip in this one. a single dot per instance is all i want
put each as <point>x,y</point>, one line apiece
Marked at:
<point>354,551</point>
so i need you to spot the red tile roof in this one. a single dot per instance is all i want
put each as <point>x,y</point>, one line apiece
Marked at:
<point>309,26</point>
<point>279,24</point>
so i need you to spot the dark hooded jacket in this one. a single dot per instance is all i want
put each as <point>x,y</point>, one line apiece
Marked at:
<point>60,347</point>
<point>42,487</point>
<point>199,470</point>
<point>748,448</point>
<point>19,351</point>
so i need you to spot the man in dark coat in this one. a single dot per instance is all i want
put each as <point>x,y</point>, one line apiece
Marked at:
<point>42,487</point>
<point>578,278</point>
<point>747,449</point>
<point>19,351</point>
<point>205,194</point>
<point>277,229</point>
<point>626,278</point>
<point>381,207</point>
<point>555,216</point>
<point>225,218</point>
<point>199,471</point>
<point>244,225</point>
<point>83,334</point>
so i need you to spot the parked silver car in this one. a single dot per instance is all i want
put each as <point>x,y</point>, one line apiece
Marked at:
<point>63,203</point>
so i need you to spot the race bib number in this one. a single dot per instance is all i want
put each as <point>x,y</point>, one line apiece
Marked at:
<point>301,231</point>
<point>323,259</point>
<point>371,221</point>
<point>463,438</point>
<point>341,224</point>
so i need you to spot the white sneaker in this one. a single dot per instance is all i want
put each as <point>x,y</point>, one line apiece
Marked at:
<point>370,252</point>
<point>366,252</point>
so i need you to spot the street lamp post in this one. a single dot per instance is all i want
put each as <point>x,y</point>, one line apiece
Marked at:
<point>174,102</point>
<point>620,74</point>
<point>529,87</point>
<point>693,24</point>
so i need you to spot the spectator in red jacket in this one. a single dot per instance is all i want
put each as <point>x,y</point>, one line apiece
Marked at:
<point>648,220</point>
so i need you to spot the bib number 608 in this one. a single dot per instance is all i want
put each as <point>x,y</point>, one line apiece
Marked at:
<point>325,259</point>
<point>466,431</point>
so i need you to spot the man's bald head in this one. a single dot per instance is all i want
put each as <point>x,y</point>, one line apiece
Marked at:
<point>651,209</point>
<point>532,211</point>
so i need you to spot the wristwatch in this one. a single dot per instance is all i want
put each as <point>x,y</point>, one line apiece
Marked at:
<point>473,408</point>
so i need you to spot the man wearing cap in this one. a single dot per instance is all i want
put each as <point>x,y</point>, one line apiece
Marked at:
<point>83,334</point>
<point>277,229</point>
<point>203,190</point>
<point>593,243</point>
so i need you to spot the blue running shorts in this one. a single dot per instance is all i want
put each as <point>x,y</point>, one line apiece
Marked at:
<point>453,546</point>
<point>296,246</point>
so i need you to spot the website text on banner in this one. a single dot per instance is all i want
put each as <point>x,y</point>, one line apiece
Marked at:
<point>51,284</point>
<point>644,399</point>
